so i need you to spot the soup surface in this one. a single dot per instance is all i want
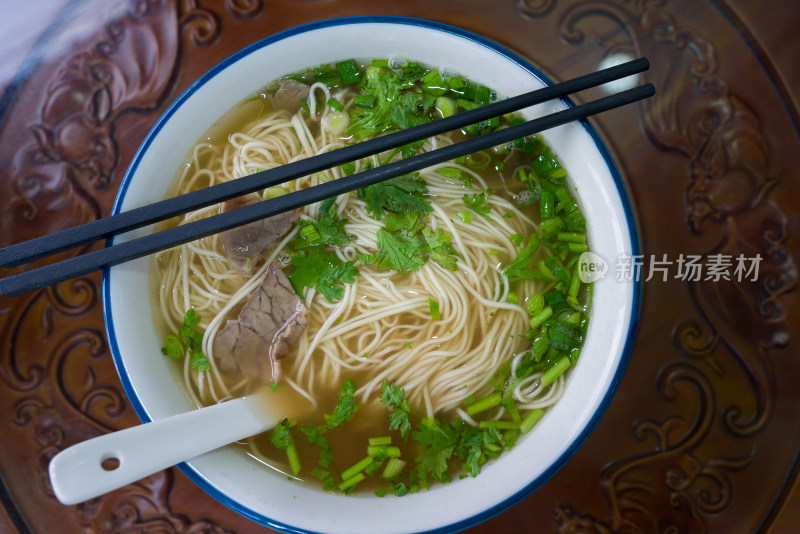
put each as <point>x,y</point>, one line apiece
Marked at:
<point>414,329</point>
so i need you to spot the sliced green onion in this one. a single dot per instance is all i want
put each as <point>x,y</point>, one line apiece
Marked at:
<point>445,106</point>
<point>365,101</point>
<point>483,94</point>
<point>336,121</point>
<point>485,403</point>
<point>571,237</point>
<point>575,283</point>
<point>275,192</point>
<point>466,104</point>
<point>509,438</point>
<point>554,372</point>
<point>357,468</point>
<point>432,83</point>
<point>557,269</point>
<point>455,83</point>
<point>500,425</point>
<point>555,300</point>
<point>449,172</point>
<point>535,304</point>
<point>352,481</point>
<point>383,440</point>
<point>348,71</point>
<point>335,104</point>
<point>393,468</point>
<point>383,451</point>
<point>547,204</point>
<point>541,317</point>
<point>478,160</point>
<point>551,226</point>
<point>380,62</point>
<point>530,420</point>
<point>541,344</point>
<point>310,233</point>
<point>577,248</point>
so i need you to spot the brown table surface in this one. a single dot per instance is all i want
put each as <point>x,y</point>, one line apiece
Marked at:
<point>703,433</point>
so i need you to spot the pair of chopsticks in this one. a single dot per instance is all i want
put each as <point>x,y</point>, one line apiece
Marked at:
<point>34,249</point>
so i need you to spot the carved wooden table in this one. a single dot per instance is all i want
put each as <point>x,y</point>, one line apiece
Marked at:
<point>703,434</point>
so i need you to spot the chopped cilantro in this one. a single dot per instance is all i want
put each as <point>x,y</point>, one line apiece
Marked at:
<point>280,436</point>
<point>328,230</point>
<point>398,195</point>
<point>398,251</point>
<point>406,242</point>
<point>323,271</point>
<point>438,440</point>
<point>188,340</point>
<point>478,204</point>
<point>328,482</point>
<point>394,397</point>
<point>345,407</point>
<point>173,347</point>
<point>384,85</point>
<point>439,244</point>
<point>316,436</point>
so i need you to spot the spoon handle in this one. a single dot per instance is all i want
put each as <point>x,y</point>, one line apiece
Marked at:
<point>105,463</point>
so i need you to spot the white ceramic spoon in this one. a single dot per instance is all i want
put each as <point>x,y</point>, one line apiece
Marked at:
<point>77,473</point>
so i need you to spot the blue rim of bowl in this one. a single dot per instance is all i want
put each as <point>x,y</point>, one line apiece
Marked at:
<point>484,515</point>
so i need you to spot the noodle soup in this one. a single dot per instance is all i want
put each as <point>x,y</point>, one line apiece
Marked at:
<point>438,314</point>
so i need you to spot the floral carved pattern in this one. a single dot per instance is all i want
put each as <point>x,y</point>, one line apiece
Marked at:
<point>203,24</point>
<point>697,116</point>
<point>73,153</point>
<point>54,360</point>
<point>61,164</point>
<point>535,8</point>
<point>142,507</point>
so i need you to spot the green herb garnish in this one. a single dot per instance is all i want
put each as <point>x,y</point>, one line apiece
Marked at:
<point>188,341</point>
<point>323,271</point>
<point>478,204</point>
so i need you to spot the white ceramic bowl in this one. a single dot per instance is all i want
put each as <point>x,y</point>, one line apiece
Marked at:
<point>270,499</point>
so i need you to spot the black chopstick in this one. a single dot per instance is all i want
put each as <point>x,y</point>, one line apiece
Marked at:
<point>142,246</point>
<point>40,247</point>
